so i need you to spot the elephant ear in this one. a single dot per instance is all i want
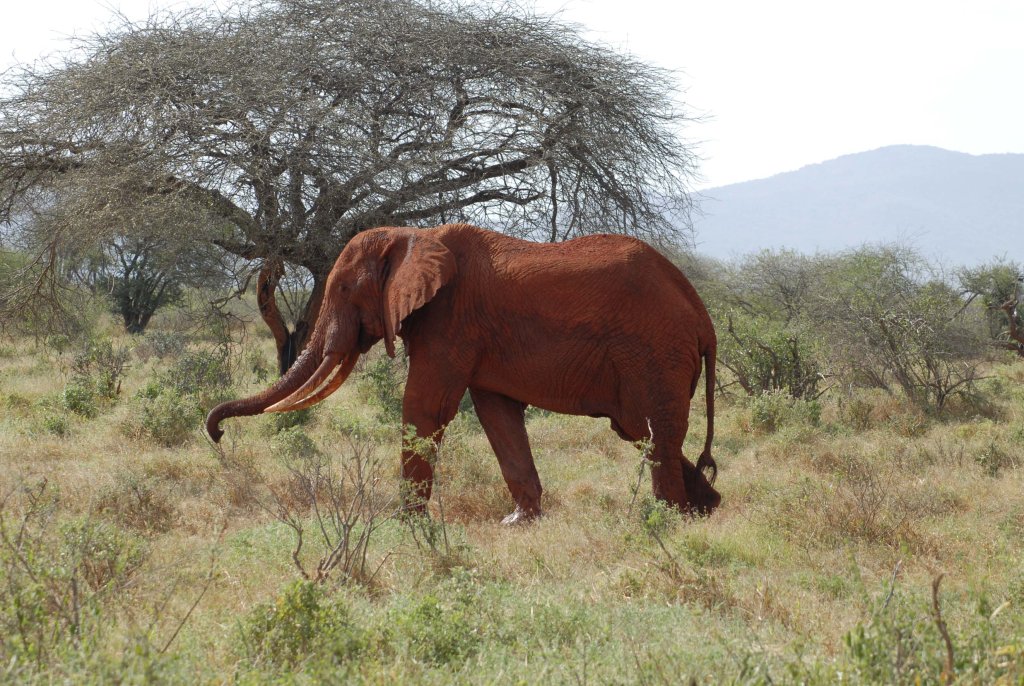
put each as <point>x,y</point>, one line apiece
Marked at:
<point>417,266</point>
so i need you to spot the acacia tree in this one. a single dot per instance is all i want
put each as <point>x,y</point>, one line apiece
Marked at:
<point>299,123</point>
<point>890,321</point>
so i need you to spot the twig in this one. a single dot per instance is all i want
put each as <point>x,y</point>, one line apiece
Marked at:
<point>211,574</point>
<point>892,584</point>
<point>947,672</point>
<point>646,449</point>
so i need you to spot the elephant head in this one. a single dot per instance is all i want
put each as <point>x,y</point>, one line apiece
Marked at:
<point>380,278</point>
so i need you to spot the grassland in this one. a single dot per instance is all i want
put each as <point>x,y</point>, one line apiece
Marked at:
<point>135,552</point>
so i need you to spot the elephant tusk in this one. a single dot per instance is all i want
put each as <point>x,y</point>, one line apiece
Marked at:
<point>319,376</point>
<point>331,386</point>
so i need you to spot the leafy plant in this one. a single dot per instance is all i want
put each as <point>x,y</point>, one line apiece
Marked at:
<point>58,575</point>
<point>301,621</point>
<point>384,381</point>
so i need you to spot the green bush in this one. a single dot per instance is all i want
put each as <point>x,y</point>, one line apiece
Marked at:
<point>80,397</point>
<point>771,411</point>
<point>56,424</point>
<point>443,628</point>
<point>902,644</point>
<point>439,632</point>
<point>202,374</point>
<point>288,420</point>
<point>96,375</point>
<point>170,419</point>
<point>103,555</point>
<point>383,381</point>
<point>171,407</point>
<point>163,415</point>
<point>100,365</point>
<point>57,342</point>
<point>293,444</point>
<point>162,344</point>
<point>657,517</point>
<point>139,502</point>
<point>301,622</point>
<point>993,459</point>
<point>59,578</point>
<point>768,355</point>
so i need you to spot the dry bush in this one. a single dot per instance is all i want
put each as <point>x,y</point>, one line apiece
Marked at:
<point>865,409</point>
<point>338,498</point>
<point>140,502</point>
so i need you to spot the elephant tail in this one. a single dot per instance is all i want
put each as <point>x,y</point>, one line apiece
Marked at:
<point>705,461</point>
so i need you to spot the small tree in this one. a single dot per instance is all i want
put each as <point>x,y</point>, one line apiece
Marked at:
<point>138,249</point>
<point>891,322</point>
<point>1000,287</point>
<point>765,337</point>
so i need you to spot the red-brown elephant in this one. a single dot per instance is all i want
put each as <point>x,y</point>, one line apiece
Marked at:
<point>601,326</point>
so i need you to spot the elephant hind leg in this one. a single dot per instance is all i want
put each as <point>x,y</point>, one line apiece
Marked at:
<point>504,422</point>
<point>667,471</point>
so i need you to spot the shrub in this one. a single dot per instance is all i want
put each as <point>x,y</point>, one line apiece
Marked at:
<point>105,556</point>
<point>103,365</point>
<point>383,381</point>
<point>138,502</point>
<point>289,420</point>
<point>58,577</point>
<point>768,355</point>
<point>171,407</point>
<point>300,622</point>
<point>442,628</point>
<point>202,374</point>
<point>903,643</point>
<point>57,342</point>
<point>770,411</point>
<point>892,324</point>
<point>163,415</point>
<point>345,494</point>
<point>292,444</point>
<point>96,375</point>
<point>993,459</point>
<point>80,397</point>
<point>56,424</point>
<point>161,345</point>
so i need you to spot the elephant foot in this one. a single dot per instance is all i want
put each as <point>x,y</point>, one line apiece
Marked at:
<point>521,516</point>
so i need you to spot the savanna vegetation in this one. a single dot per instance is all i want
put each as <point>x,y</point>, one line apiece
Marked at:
<point>133,550</point>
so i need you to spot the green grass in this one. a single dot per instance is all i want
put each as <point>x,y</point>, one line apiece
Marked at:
<point>818,567</point>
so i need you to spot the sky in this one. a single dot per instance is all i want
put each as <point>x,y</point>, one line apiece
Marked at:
<point>777,85</point>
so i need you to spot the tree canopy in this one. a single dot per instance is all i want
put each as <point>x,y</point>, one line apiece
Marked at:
<point>298,123</point>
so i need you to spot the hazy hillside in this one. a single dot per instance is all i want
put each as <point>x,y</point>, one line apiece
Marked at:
<point>956,207</point>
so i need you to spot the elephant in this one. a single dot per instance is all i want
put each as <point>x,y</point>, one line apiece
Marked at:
<point>601,325</point>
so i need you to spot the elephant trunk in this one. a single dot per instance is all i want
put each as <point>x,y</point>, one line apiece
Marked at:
<point>293,379</point>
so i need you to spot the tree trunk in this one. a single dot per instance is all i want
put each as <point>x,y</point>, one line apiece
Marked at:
<point>1016,335</point>
<point>290,342</point>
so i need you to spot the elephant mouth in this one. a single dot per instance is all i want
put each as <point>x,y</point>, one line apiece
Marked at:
<point>327,378</point>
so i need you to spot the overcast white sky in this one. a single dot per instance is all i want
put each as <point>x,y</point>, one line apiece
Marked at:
<point>782,84</point>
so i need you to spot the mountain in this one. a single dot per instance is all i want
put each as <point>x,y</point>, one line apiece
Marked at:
<point>953,207</point>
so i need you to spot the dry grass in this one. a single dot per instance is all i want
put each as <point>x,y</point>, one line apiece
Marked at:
<point>815,518</point>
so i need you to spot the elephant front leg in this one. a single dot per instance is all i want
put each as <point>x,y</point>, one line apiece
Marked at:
<point>504,422</point>
<point>425,414</point>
